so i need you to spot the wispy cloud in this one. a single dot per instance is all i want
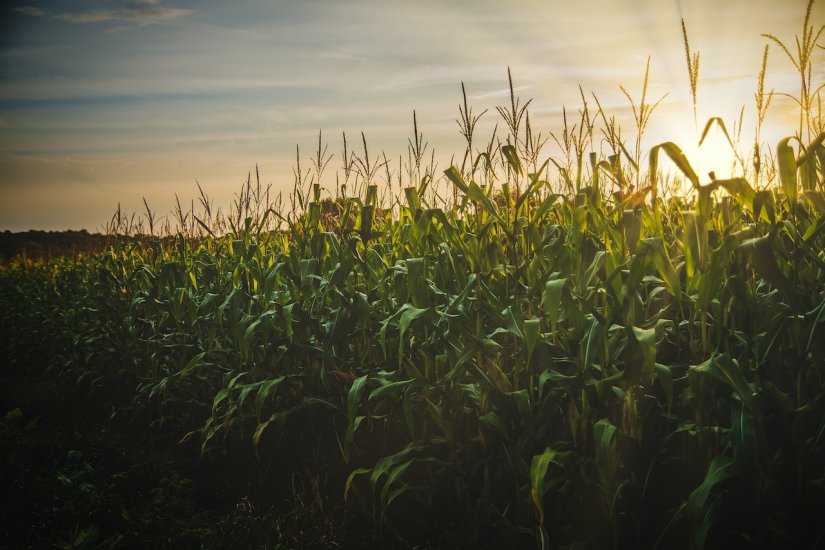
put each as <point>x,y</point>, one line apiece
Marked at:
<point>137,12</point>
<point>29,10</point>
<point>87,17</point>
<point>496,94</point>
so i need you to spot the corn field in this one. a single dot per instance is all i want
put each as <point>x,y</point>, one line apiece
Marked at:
<point>512,355</point>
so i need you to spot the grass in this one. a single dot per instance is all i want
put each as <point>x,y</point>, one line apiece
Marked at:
<point>492,358</point>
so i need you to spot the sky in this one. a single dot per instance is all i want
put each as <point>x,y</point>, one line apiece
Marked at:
<point>107,102</point>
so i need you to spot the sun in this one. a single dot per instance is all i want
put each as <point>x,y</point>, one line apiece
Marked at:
<point>714,158</point>
<point>717,159</point>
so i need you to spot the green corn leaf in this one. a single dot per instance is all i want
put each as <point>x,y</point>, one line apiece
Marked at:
<point>679,159</point>
<point>475,193</point>
<point>809,157</point>
<point>786,161</point>
<point>610,170</point>
<point>763,258</point>
<point>813,229</point>
<point>538,471</point>
<point>604,385</point>
<point>409,313</point>
<point>265,391</point>
<point>724,369</point>
<point>366,222</point>
<point>238,248</point>
<point>599,259</point>
<point>512,321</point>
<point>353,400</point>
<point>372,195</point>
<point>511,155</point>
<point>535,183</point>
<point>592,344</point>
<point>389,387</point>
<point>543,209</point>
<point>738,188</point>
<point>454,176</point>
<point>764,206</point>
<point>387,464</point>
<point>220,397</point>
<point>417,281</point>
<point>314,215</point>
<point>607,458</point>
<point>248,334</point>
<point>721,123</point>
<point>703,525</point>
<point>721,468</point>
<point>645,357</point>
<point>246,389</point>
<point>413,202</point>
<point>494,423</point>
<point>714,276</point>
<point>193,279</point>
<point>652,251</point>
<point>695,235</point>
<point>351,477</point>
<point>259,432</point>
<point>665,267</point>
<point>627,155</point>
<point>742,437</point>
<point>704,200</point>
<point>522,400</point>
<point>631,228</point>
<point>205,227</point>
<point>665,377</point>
<point>556,377</point>
<point>817,201</point>
<point>532,335</point>
<point>459,300</point>
<point>564,174</point>
<point>438,418</point>
<point>193,364</point>
<point>727,370</point>
<point>386,495</point>
<point>813,149</point>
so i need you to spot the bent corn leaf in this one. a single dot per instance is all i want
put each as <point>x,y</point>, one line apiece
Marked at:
<point>538,471</point>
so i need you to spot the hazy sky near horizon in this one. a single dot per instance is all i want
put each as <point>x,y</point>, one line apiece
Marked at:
<point>109,101</point>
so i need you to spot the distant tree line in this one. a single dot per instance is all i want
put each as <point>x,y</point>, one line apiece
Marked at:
<point>49,244</point>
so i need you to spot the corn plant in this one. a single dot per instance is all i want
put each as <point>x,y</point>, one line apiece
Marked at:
<point>540,359</point>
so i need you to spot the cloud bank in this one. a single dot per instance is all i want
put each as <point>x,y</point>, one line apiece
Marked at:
<point>138,12</point>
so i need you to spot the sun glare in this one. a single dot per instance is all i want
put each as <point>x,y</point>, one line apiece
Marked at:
<point>715,155</point>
